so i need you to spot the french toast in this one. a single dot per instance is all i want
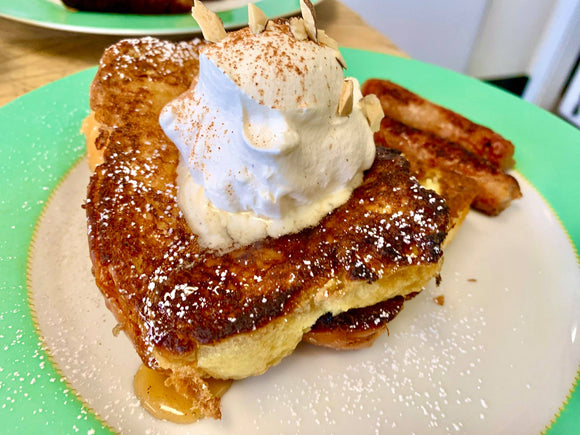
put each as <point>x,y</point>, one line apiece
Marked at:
<point>466,173</point>
<point>359,328</point>
<point>195,313</point>
<point>132,6</point>
<point>415,111</point>
<point>460,160</point>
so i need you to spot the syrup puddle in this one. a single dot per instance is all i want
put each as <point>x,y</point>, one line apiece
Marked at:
<point>163,401</point>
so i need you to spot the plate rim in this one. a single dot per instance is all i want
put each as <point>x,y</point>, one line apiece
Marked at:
<point>81,80</point>
<point>44,13</point>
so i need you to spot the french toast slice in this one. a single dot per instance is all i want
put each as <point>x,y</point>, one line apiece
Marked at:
<point>194,313</point>
<point>360,327</point>
<point>466,173</point>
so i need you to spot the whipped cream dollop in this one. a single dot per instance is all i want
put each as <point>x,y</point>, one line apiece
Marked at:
<point>264,151</point>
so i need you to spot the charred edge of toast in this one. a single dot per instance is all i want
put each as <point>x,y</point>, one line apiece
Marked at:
<point>166,290</point>
<point>248,287</point>
<point>356,328</point>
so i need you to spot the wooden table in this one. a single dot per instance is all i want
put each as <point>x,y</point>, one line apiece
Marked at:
<point>32,56</point>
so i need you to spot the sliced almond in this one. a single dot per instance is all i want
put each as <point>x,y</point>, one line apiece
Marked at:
<point>340,59</point>
<point>257,19</point>
<point>324,39</point>
<point>297,28</point>
<point>211,25</point>
<point>371,107</point>
<point>309,15</point>
<point>345,101</point>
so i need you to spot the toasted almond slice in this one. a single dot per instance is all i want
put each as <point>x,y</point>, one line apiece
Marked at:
<point>371,107</point>
<point>211,25</point>
<point>345,101</point>
<point>309,15</point>
<point>257,19</point>
<point>340,59</point>
<point>324,39</point>
<point>297,28</point>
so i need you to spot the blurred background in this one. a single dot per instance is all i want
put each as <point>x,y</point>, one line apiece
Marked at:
<point>528,47</point>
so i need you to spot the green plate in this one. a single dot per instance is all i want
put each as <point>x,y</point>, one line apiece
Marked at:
<point>41,142</point>
<point>53,14</point>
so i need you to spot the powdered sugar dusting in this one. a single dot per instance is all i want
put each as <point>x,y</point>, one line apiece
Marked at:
<point>464,367</point>
<point>409,382</point>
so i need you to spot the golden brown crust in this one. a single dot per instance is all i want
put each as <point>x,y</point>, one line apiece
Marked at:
<point>415,111</point>
<point>136,77</point>
<point>174,295</point>
<point>189,296</point>
<point>180,304</point>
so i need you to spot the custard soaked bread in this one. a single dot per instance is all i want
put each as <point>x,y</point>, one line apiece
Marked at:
<point>457,158</point>
<point>195,313</point>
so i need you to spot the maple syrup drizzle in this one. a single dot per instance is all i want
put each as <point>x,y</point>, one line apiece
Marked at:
<point>164,402</point>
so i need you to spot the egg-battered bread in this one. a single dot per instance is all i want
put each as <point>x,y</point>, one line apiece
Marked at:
<point>194,313</point>
<point>459,159</point>
<point>359,328</point>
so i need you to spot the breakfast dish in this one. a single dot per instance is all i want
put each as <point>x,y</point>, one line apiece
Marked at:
<point>477,358</point>
<point>79,381</point>
<point>232,218</point>
<point>197,308</point>
<point>269,216</point>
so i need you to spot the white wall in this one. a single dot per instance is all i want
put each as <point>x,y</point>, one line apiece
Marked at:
<point>488,39</point>
<point>554,58</point>
<point>509,36</point>
<point>441,32</point>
